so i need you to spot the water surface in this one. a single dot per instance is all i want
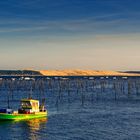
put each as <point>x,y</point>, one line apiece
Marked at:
<point>94,111</point>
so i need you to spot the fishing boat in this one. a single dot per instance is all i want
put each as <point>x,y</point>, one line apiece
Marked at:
<point>29,109</point>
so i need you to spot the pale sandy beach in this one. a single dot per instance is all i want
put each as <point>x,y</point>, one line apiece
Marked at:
<point>84,73</point>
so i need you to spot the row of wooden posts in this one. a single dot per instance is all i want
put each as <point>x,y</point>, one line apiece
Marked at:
<point>82,89</point>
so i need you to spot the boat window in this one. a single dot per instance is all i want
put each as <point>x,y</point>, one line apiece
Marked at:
<point>26,104</point>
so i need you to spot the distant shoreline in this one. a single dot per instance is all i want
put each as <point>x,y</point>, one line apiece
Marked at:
<point>67,73</point>
<point>86,73</point>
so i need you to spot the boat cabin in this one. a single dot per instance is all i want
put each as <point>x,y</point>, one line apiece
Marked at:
<point>30,105</point>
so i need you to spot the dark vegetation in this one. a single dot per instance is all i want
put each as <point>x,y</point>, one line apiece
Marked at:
<point>19,72</point>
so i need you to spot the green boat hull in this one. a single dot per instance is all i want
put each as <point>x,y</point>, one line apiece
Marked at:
<point>5,116</point>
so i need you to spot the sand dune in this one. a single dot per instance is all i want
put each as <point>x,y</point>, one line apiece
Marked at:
<point>84,73</point>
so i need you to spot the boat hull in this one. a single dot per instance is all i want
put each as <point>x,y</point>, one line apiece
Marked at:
<point>5,116</point>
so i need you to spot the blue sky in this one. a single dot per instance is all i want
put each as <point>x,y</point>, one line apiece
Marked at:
<point>70,34</point>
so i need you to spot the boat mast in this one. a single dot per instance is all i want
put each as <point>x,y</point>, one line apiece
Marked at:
<point>42,94</point>
<point>9,91</point>
<point>8,102</point>
<point>30,93</point>
<point>31,86</point>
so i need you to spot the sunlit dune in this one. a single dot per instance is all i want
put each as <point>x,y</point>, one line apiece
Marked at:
<point>84,73</point>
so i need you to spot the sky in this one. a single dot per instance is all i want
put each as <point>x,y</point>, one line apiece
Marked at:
<point>70,34</point>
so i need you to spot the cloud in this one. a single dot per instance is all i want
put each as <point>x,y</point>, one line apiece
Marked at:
<point>45,17</point>
<point>112,23</point>
<point>12,30</point>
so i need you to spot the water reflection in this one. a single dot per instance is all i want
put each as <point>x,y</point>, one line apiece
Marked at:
<point>35,127</point>
<point>35,124</point>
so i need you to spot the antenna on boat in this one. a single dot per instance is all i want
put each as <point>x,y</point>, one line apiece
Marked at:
<point>42,106</point>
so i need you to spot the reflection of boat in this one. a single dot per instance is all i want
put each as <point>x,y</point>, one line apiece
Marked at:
<point>35,127</point>
<point>29,109</point>
<point>35,124</point>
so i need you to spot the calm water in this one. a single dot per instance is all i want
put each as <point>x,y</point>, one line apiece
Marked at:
<point>94,111</point>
